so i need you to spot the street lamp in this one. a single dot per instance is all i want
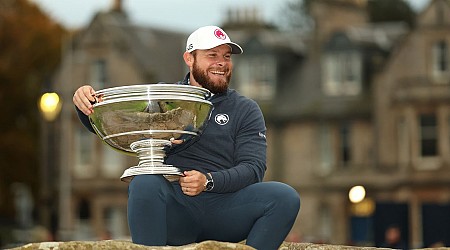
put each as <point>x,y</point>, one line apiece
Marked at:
<point>361,206</point>
<point>49,105</point>
<point>357,194</point>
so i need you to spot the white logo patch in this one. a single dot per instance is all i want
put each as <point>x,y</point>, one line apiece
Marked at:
<point>261,134</point>
<point>221,119</point>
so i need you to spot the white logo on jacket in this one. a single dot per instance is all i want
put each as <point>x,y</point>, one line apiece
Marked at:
<point>261,134</point>
<point>221,119</point>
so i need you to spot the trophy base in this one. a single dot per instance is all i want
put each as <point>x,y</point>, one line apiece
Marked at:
<point>170,172</point>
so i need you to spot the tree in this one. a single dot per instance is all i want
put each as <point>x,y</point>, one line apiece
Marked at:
<point>296,15</point>
<point>30,47</point>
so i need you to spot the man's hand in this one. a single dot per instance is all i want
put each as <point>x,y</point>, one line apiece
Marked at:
<point>83,99</point>
<point>176,142</point>
<point>192,183</point>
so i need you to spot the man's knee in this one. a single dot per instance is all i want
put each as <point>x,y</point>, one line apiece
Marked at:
<point>285,196</point>
<point>293,199</point>
<point>146,185</point>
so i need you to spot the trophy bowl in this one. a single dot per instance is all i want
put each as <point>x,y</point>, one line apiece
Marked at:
<point>142,120</point>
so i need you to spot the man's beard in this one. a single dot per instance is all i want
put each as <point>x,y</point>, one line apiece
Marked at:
<point>203,79</point>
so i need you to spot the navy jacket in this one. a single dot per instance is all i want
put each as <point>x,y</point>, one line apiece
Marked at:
<point>232,146</point>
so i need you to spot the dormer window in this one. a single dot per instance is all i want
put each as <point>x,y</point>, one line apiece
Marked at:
<point>342,73</point>
<point>256,77</point>
<point>441,61</point>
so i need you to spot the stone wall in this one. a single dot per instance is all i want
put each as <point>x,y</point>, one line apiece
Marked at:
<point>206,245</point>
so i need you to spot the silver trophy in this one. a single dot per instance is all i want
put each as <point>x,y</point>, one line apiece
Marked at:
<point>142,119</point>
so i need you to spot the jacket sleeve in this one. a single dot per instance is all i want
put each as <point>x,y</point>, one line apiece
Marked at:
<point>249,154</point>
<point>84,120</point>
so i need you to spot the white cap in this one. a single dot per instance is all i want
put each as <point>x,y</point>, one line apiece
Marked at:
<point>209,37</point>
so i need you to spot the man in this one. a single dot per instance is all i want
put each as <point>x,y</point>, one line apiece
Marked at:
<point>393,238</point>
<point>221,195</point>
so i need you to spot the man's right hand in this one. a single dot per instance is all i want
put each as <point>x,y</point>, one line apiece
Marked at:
<point>83,99</point>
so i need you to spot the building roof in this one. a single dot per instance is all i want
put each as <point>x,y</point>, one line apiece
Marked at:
<point>152,49</point>
<point>381,35</point>
<point>301,95</point>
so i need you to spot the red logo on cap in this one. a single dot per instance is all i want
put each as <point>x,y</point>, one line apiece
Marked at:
<point>220,34</point>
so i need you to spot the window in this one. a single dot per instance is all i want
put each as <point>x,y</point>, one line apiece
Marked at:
<point>326,149</point>
<point>441,67</point>
<point>403,141</point>
<point>257,77</point>
<point>98,76</point>
<point>428,135</point>
<point>342,73</point>
<point>84,145</point>
<point>113,162</point>
<point>325,223</point>
<point>345,143</point>
<point>82,227</point>
<point>448,131</point>
<point>116,222</point>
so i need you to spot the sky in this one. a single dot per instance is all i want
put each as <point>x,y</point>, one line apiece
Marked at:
<point>176,15</point>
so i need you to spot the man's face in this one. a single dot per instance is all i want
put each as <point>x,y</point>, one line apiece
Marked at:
<point>212,68</point>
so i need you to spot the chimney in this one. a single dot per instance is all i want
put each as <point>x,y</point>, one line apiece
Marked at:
<point>332,16</point>
<point>117,6</point>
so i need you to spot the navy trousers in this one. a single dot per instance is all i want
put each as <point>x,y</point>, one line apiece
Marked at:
<point>160,214</point>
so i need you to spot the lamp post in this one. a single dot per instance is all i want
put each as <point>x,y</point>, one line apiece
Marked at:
<point>362,208</point>
<point>361,205</point>
<point>357,194</point>
<point>49,105</point>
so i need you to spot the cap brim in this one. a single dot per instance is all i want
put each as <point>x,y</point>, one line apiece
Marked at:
<point>235,48</point>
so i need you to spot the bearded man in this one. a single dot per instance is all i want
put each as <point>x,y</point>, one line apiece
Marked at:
<point>222,195</point>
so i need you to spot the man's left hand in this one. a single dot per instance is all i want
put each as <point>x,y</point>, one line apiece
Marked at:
<point>193,182</point>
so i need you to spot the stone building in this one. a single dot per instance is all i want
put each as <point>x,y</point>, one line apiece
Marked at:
<point>352,103</point>
<point>110,51</point>
<point>359,103</point>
